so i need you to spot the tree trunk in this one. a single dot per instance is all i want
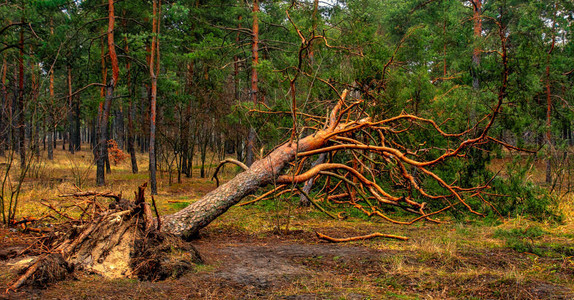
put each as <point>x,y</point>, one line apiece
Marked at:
<point>131,148</point>
<point>550,149</point>
<point>20,104</point>
<point>250,157</point>
<point>203,153</point>
<point>4,109</point>
<point>50,119</point>
<point>119,127</point>
<point>71,146</point>
<point>131,114</point>
<point>154,69</point>
<point>477,10</point>
<point>77,132</point>
<point>34,120</point>
<point>103,136</point>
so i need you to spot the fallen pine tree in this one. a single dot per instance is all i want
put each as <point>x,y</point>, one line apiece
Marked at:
<point>126,240</point>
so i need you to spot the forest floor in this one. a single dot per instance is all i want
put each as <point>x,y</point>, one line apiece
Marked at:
<point>269,250</point>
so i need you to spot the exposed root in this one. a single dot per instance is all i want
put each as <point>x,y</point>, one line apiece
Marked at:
<point>121,241</point>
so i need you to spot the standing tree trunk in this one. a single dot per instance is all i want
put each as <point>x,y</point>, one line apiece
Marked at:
<point>131,148</point>
<point>76,137</point>
<point>50,118</point>
<point>34,122</point>
<point>254,89</point>
<point>549,103</point>
<point>131,113</point>
<point>103,140</point>
<point>103,136</point>
<point>20,104</point>
<point>186,131</point>
<point>71,146</point>
<point>4,107</point>
<point>477,11</point>
<point>154,69</point>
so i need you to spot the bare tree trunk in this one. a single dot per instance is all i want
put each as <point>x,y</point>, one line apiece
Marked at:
<point>477,11</point>
<point>103,137</point>
<point>154,69</point>
<point>250,157</point>
<point>20,104</point>
<point>50,118</point>
<point>77,138</point>
<point>203,152</point>
<point>131,114</point>
<point>102,159</point>
<point>131,148</point>
<point>34,122</point>
<point>550,149</point>
<point>71,146</point>
<point>4,110</point>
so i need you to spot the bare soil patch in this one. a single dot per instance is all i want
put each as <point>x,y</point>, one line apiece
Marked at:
<point>239,265</point>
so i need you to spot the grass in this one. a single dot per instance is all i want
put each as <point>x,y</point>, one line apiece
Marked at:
<point>474,259</point>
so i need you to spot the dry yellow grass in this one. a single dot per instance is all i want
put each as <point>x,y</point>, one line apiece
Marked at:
<point>67,173</point>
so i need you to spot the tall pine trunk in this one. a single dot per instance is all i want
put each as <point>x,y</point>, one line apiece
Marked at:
<point>154,69</point>
<point>131,114</point>
<point>250,156</point>
<point>477,11</point>
<point>550,149</point>
<point>4,108</point>
<point>71,146</point>
<point>20,104</point>
<point>50,119</point>
<point>102,159</point>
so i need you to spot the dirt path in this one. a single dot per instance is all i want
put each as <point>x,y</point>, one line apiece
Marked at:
<point>271,267</point>
<point>300,267</point>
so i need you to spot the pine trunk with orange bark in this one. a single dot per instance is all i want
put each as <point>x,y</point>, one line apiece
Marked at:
<point>109,95</point>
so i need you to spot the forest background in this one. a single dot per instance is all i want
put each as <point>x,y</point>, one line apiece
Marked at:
<point>170,88</point>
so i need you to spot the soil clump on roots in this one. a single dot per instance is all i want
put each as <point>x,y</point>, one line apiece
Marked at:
<point>121,240</point>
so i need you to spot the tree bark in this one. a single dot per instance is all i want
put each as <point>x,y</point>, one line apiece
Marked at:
<point>50,119</point>
<point>250,157</point>
<point>131,114</point>
<point>20,104</point>
<point>103,136</point>
<point>4,110</point>
<point>102,159</point>
<point>154,69</point>
<point>549,103</point>
<point>477,10</point>
<point>71,146</point>
<point>131,148</point>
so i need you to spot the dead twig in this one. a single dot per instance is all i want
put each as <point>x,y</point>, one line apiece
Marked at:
<point>92,193</point>
<point>359,238</point>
